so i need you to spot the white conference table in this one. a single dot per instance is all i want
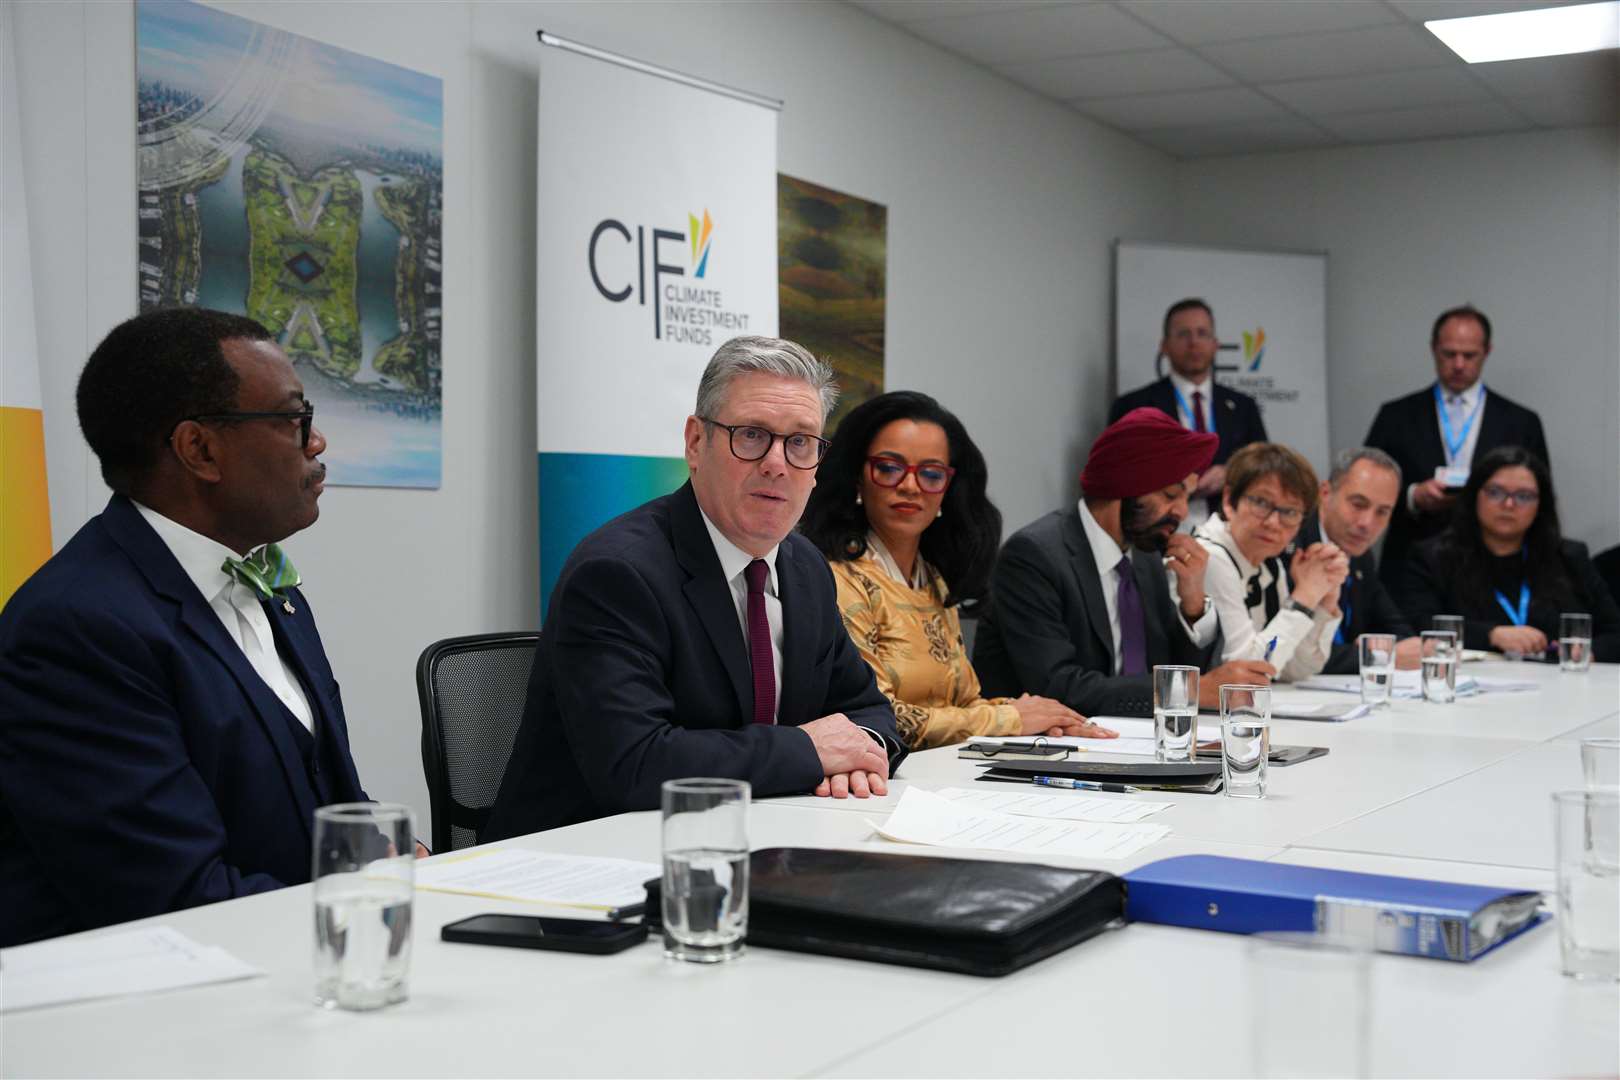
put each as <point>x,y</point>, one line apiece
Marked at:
<point>1457,793</point>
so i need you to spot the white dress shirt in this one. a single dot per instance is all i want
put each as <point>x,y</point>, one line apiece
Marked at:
<point>1106,554</point>
<point>237,607</point>
<point>733,561</point>
<point>1303,643</point>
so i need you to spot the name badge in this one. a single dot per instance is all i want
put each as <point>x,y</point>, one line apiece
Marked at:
<point>1452,476</point>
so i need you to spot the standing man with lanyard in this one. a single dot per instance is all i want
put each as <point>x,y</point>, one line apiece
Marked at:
<point>1437,433</point>
<point>1190,396</point>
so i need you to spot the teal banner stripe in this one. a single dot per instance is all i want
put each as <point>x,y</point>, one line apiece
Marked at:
<point>581,492</point>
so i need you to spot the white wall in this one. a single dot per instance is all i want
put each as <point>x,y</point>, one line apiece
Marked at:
<point>1525,227</point>
<point>1002,208</point>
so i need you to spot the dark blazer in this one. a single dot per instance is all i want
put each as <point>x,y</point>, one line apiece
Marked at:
<point>1237,415</point>
<point>1372,609</point>
<point>1408,430</point>
<point>1431,587</point>
<point>642,676</point>
<point>144,765</point>
<point>1045,628</point>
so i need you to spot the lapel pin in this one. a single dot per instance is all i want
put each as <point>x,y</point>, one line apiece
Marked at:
<point>286,605</point>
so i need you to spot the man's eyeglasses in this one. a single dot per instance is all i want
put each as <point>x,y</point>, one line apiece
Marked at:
<point>304,417</point>
<point>1502,496</point>
<point>890,472</point>
<point>1289,516</point>
<point>749,443</point>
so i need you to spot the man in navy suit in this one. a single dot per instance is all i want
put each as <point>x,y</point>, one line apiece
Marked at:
<point>1190,396</point>
<point>1437,433</point>
<point>167,725</point>
<point>698,635</point>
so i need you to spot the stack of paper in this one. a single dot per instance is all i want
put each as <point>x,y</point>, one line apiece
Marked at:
<point>1135,737</point>
<point>1408,685</point>
<point>1071,805</point>
<point>925,818</point>
<point>111,965</point>
<point>542,878</point>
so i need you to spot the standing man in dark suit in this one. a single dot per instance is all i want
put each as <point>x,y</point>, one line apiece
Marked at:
<point>1080,606</point>
<point>1436,434</point>
<point>698,635</point>
<point>168,719</point>
<point>1357,500</point>
<point>1190,396</point>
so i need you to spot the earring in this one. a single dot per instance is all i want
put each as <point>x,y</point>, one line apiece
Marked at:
<point>940,513</point>
<point>857,498</point>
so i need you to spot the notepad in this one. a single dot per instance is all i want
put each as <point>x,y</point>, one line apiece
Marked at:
<point>111,965</point>
<point>540,877</point>
<point>925,818</point>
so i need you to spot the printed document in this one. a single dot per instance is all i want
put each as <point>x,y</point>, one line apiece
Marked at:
<point>1064,805</point>
<point>542,878</point>
<point>111,965</point>
<point>925,818</point>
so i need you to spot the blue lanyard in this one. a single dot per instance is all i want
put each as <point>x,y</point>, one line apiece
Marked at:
<point>1344,612</point>
<point>1186,408</point>
<point>1454,445</point>
<point>1522,615</point>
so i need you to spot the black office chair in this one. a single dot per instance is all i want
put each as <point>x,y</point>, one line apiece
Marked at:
<point>472,691</point>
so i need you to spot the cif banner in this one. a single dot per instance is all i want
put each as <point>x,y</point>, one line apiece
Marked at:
<point>25,511</point>
<point>1270,316</point>
<point>656,238</point>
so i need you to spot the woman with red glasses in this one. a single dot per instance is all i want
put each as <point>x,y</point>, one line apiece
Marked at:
<point>1504,567</point>
<point>901,513</point>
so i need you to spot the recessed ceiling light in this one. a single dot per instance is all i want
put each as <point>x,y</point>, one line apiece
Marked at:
<point>1516,35</point>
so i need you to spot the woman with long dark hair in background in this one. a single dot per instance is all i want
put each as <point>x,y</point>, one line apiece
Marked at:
<point>901,513</point>
<point>1505,568</point>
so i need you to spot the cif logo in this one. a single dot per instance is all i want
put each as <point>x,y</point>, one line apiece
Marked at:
<point>700,234</point>
<point>1254,347</point>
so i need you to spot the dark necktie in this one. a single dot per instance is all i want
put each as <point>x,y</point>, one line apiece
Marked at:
<point>1132,632</point>
<point>759,644</point>
<point>1198,412</point>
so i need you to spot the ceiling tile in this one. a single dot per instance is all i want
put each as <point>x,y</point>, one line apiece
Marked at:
<point>1011,37</point>
<point>1215,140</point>
<point>1144,112</point>
<point>1117,74</point>
<point>1192,22</point>
<point>1570,110</point>
<point>1391,90</point>
<point>1420,11</point>
<point>907,11</point>
<point>1593,74</point>
<point>1342,52</point>
<point>1429,122</point>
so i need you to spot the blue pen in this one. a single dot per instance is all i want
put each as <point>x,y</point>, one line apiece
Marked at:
<point>1084,785</point>
<point>1271,648</point>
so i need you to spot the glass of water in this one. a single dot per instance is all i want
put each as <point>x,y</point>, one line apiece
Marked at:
<point>365,879</point>
<point>1175,712</point>
<point>705,892</point>
<point>1454,623</point>
<point>1440,654</point>
<point>1589,882</point>
<point>1310,1003</point>
<point>1600,762</point>
<point>1245,739</point>
<point>1377,668</point>
<point>1574,641</point>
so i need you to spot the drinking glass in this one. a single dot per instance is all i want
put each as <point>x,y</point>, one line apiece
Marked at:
<point>1589,882</point>
<point>1454,623</point>
<point>1574,641</point>
<point>1440,654</point>
<point>1175,712</point>
<point>1377,668</point>
<point>1600,763</point>
<point>1310,1002</point>
<point>365,880</point>
<point>705,893</point>
<point>1245,739</point>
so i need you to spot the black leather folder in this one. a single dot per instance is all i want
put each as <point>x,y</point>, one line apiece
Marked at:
<point>971,916</point>
<point>1141,773</point>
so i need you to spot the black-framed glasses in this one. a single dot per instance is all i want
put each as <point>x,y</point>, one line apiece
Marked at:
<point>890,472</point>
<point>305,418</point>
<point>1502,496</point>
<point>1288,515</point>
<point>750,443</point>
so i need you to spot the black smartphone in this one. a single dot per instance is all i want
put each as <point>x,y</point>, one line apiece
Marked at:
<point>535,932</point>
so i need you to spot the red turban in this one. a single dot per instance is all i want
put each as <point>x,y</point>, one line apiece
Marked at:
<point>1142,452</point>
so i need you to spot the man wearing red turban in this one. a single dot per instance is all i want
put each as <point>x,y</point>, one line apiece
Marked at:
<point>1080,606</point>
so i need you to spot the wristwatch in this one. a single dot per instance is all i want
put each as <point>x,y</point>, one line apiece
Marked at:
<point>1308,612</point>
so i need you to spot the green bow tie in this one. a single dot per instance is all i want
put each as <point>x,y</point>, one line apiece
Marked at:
<point>265,571</point>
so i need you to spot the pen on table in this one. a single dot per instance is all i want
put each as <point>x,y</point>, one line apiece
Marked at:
<point>1084,785</point>
<point>629,911</point>
<point>1270,648</point>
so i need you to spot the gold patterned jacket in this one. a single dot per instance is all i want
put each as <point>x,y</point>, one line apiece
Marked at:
<point>913,643</point>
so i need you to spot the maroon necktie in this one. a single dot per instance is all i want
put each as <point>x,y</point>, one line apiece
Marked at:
<point>1198,412</point>
<point>759,644</point>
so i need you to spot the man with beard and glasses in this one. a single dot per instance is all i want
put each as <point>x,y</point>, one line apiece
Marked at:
<point>1080,605</point>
